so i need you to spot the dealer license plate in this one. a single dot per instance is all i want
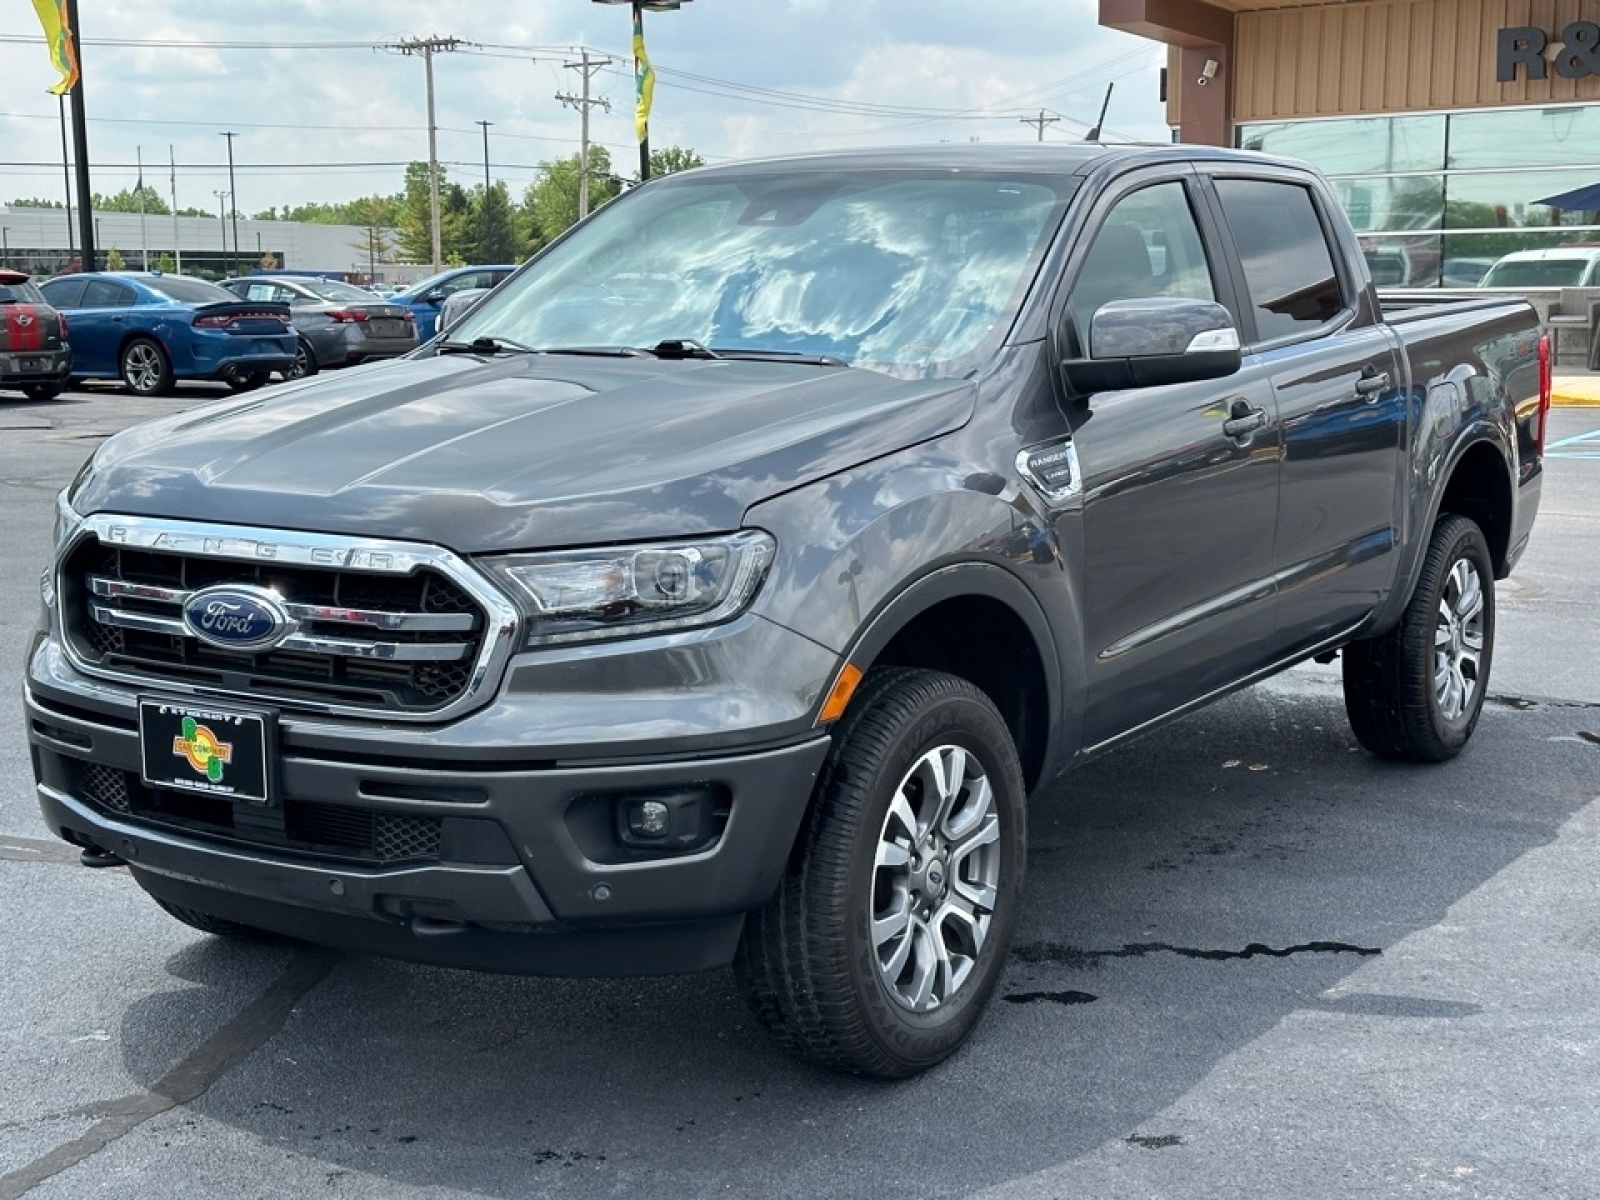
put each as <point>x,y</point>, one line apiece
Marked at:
<point>29,366</point>
<point>220,752</point>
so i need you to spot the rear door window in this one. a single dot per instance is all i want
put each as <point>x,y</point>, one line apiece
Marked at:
<point>64,293</point>
<point>1288,265</point>
<point>102,293</point>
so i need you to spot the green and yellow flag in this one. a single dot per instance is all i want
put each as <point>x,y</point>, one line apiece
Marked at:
<point>644,78</point>
<point>63,51</point>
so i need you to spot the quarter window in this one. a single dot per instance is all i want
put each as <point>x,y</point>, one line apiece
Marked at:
<point>1288,267</point>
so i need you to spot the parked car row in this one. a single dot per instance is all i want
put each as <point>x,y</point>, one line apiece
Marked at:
<point>151,330</point>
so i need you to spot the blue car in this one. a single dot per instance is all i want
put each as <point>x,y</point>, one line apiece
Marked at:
<point>151,330</point>
<point>424,299</point>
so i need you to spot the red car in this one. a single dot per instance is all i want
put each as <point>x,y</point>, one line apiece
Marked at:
<point>34,355</point>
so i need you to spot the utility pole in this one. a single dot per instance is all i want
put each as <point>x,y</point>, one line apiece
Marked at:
<point>233,201</point>
<point>1041,121</point>
<point>583,103</point>
<point>428,47</point>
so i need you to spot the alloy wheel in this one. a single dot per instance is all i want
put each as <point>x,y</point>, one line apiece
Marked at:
<point>1458,640</point>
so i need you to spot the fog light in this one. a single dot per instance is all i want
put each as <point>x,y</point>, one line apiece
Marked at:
<point>649,819</point>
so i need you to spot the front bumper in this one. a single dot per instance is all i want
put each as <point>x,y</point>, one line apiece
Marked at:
<point>440,858</point>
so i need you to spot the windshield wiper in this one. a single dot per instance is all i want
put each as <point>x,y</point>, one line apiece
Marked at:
<point>486,345</point>
<point>794,356</point>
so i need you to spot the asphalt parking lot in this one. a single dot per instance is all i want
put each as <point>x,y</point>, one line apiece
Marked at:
<point>1254,962</point>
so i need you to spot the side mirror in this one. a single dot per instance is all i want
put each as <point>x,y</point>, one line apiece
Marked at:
<point>1155,340</point>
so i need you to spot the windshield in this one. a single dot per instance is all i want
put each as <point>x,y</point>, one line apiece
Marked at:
<point>913,273</point>
<point>1545,272</point>
<point>188,291</point>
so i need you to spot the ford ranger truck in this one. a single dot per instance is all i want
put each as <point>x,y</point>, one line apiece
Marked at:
<point>720,588</point>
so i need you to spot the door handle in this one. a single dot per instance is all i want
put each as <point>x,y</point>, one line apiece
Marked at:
<point>1371,382</point>
<point>1244,423</point>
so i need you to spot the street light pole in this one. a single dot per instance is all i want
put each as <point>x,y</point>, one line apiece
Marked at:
<point>483,250</point>
<point>222,219</point>
<point>5,245</point>
<point>233,200</point>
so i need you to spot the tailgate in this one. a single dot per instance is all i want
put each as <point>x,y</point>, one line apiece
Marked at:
<point>28,328</point>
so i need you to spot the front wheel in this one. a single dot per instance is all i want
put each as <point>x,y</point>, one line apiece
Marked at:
<point>890,928</point>
<point>1415,693</point>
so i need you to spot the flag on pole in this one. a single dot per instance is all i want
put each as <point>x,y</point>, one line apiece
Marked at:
<point>58,36</point>
<point>644,78</point>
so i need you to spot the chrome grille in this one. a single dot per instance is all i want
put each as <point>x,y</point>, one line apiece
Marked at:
<point>391,642</point>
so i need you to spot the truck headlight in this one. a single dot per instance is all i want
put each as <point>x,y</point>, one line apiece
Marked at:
<point>586,595</point>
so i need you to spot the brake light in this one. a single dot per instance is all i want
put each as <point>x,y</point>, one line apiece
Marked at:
<point>227,320</point>
<point>349,314</point>
<point>1546,385</point>
<point>212,322</point>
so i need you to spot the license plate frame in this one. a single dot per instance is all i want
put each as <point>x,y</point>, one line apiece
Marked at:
<point>226,752</point>
<point>31,366</point>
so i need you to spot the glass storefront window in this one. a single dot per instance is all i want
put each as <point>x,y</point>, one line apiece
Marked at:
<point>1526,137</point>
<point>1501,200</point>
<point>1384,203</point>
<point>1359,146</point>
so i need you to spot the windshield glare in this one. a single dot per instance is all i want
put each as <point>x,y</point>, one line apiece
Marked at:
<point>904,272</point>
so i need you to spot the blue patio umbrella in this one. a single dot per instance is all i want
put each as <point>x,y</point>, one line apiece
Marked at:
<point>1580,199</point>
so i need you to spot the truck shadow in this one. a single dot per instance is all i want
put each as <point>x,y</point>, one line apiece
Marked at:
<point>1185,895</point>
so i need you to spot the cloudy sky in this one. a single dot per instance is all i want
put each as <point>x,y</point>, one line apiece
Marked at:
<point>323,111</point>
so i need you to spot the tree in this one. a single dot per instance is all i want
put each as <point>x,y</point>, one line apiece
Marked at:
<point>165,263</point>
<point>495,237</point>
<point>412,220</point>
<point>673,158</point>
<point>115,261</point>
<point>551,201</point>
<point>375,216</point>
<point>127,201</point>
<point>35,202</point>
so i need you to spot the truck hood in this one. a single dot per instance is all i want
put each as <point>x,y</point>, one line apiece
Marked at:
<point>517,452</point>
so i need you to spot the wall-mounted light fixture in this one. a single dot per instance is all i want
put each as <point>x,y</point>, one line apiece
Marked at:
<point>1208,72</point>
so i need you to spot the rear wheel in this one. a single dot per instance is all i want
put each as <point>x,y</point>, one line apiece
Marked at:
<point>145,368</point>
<point>890,928</point>
<point>1415,693</point>
<point>305,361</point>
<point>41,392</point>
<point>247,381</point>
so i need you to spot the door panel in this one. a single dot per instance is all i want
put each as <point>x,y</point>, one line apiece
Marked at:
<point>1178,522</point>
<point>1341,479</point>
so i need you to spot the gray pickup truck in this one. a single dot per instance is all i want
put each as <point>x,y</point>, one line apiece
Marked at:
<point>721,587</point>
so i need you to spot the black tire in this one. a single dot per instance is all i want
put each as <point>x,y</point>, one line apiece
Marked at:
<point>145,368</point>
<point>39,393</point>
<point>1401,689</point>
<point>808,963</point>
<point>206,923</point>
<point>305,361</point>
<point>248,382</point>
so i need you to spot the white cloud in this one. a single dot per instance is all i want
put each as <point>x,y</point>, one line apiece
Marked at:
<point>309,118</point>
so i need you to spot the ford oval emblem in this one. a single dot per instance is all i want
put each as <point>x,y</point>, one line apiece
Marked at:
<point>238,617</point>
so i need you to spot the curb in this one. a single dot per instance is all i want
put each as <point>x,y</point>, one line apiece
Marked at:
<point>1576,393</point>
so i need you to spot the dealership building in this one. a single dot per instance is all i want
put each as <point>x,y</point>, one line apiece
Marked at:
<point>1448,127</point>
<point>41,242</point>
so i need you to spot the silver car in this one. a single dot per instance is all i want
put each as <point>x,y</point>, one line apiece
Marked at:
<point>338,324</point>
<point>458,304</point>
